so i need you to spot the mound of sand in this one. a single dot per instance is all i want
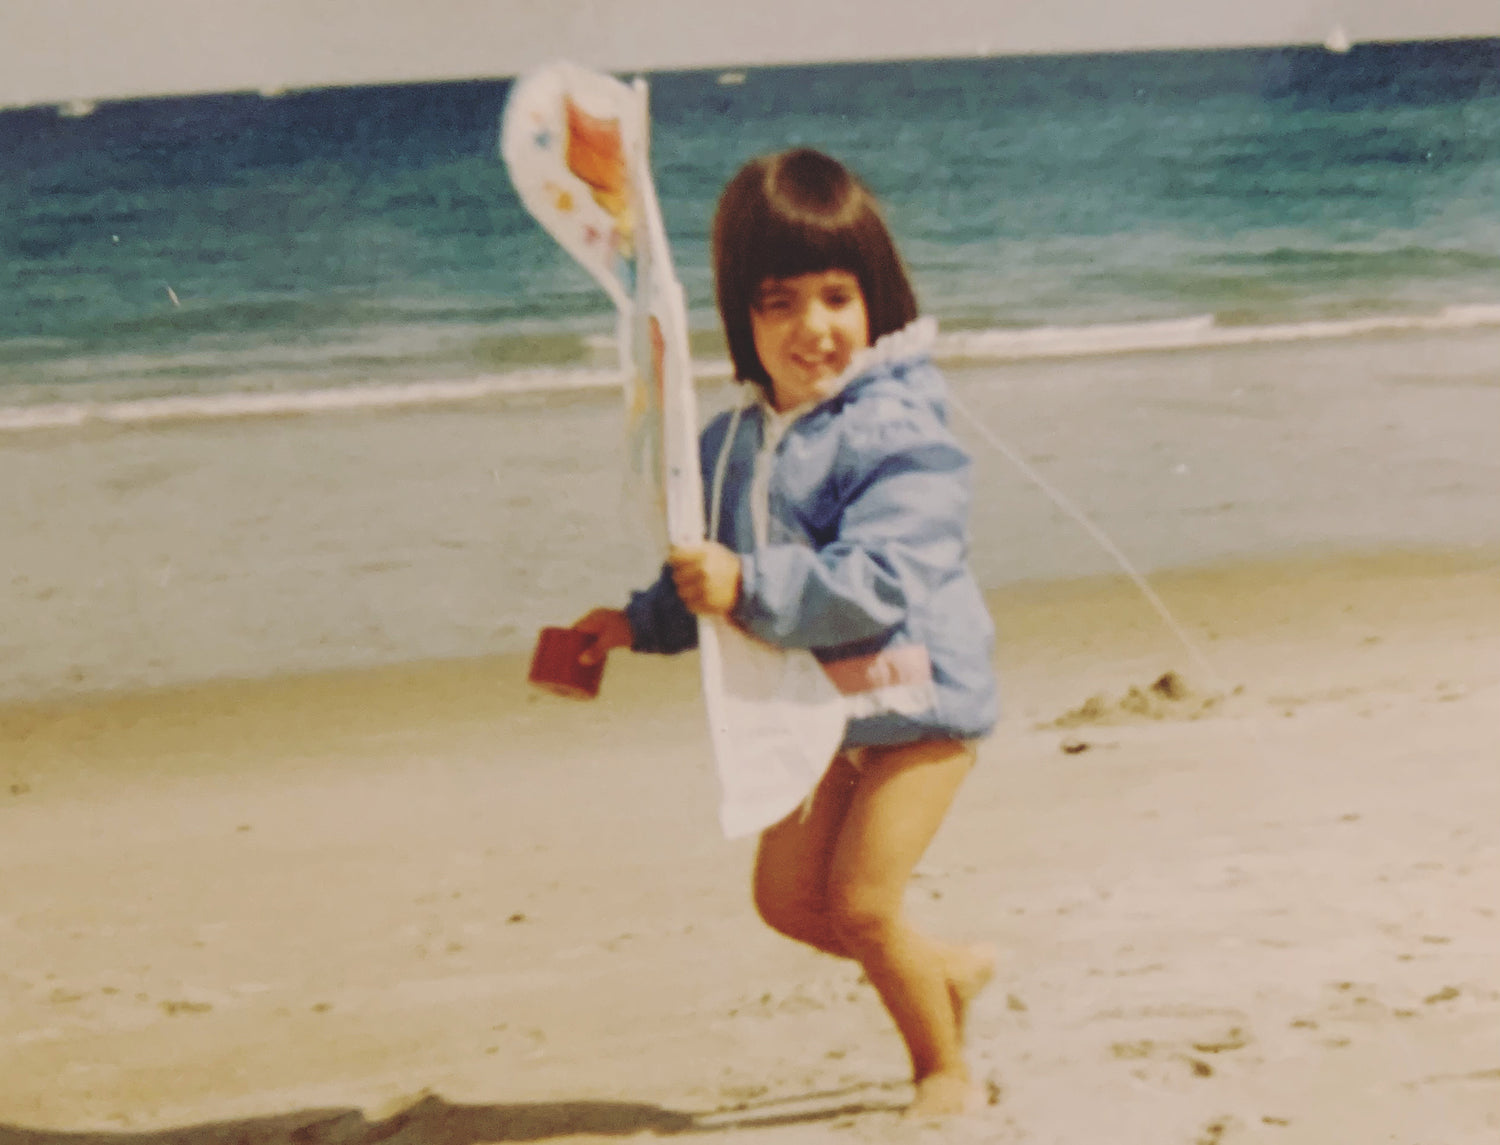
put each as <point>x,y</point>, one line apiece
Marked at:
<point>1169,697</point>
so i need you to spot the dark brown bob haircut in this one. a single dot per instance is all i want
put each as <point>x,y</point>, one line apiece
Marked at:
<point>801,212</point>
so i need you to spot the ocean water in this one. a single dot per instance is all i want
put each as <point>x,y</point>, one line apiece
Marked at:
<point>240,254</point>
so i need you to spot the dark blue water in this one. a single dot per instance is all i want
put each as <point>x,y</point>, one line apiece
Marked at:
<point>318,239</point>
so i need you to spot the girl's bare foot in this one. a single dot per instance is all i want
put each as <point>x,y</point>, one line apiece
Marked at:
<point>968,971</point>
<point>946,1095</point>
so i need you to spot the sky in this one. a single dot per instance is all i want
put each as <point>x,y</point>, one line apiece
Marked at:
<point>54,51</point>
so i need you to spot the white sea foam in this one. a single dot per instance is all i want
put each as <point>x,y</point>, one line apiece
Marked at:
<point>204,407</point>
<point>1198,332</point>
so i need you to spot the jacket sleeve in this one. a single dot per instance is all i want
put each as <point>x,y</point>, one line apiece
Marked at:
<point>902,531</point>
<point>659,621</point>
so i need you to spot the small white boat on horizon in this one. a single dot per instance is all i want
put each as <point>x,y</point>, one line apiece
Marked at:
<point>76,108</point>
<point>1338,40</point>
<point>730,79</point>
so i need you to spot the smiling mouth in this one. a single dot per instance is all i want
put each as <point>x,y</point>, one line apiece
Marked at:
<point>814,365</point>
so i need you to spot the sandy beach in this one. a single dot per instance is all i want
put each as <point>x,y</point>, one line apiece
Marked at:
<point>306,429</point>
<point>424,904</point>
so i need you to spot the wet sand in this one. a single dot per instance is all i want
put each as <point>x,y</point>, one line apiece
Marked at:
<point>167,554</point>
<point>420,903</point>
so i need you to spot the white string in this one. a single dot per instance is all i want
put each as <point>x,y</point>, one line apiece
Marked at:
<point>1100,537</point>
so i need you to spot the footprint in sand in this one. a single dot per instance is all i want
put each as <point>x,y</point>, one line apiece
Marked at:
<point>1169,1047</point>
<point>176,1007</point>
<point>1235,1039</point>
<point>1153,1060</point>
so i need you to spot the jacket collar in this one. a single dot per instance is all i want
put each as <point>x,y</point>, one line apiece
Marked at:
<point>914,340</point>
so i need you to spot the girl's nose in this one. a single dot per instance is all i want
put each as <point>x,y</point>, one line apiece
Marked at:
<point>815,321</point>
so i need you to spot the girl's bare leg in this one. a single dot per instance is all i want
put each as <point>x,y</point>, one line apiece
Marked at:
<point>898,805</point>
<point>791,864</point>
<point>968,970</point>
<point>835,879</point>
<point>791,886</point>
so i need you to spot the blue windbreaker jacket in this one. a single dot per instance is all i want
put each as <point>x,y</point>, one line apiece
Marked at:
<point>850,517</point>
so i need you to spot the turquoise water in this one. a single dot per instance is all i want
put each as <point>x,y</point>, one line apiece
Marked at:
<point>321,242</point>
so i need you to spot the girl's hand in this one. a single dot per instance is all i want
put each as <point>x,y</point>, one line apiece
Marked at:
<point>611,629</point>
<point>707,576</point>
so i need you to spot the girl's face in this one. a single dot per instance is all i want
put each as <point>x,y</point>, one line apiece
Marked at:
<point>806,330</point>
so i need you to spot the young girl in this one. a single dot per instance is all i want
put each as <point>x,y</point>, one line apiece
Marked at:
<point>843,508</point>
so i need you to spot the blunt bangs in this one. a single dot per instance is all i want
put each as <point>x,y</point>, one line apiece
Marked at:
<point>801,212</point>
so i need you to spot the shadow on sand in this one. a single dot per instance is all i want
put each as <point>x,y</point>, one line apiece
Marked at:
<point>433,1121</point>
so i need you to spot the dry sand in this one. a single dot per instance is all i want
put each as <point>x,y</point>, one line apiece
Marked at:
<point>421,904</point>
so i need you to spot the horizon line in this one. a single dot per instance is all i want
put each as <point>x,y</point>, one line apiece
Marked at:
<point>86,103</point>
